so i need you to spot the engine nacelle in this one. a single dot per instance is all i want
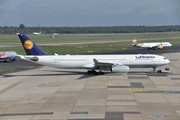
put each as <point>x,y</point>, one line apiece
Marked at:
<point>160,47</point>
<point>120,69</point>
<point>13,58</point>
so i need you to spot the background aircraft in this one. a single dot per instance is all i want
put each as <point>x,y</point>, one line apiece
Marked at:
<point>154,45</point>
<point>8,55</point>
<point>113,63</point>
<point>36,33</point>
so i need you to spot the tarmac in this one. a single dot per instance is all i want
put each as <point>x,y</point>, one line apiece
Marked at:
<point>37,92</point>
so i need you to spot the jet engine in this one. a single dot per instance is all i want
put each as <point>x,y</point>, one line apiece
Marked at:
<point>160,47</point>
<point>120,69</point>
<point>13,58</point>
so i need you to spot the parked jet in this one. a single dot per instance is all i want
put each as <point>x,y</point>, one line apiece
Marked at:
<point>37,33</point>
<point>5,55</point>
<point>154,45</point>
<point>113,63</point>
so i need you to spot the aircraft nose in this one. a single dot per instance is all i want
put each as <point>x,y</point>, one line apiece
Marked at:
<point>168,61</point>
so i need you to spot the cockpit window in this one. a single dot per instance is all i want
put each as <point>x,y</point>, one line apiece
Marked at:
<point>164,58</point>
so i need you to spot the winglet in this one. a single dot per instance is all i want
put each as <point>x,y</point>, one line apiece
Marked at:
<point>29,46</point>
<point>134,41</point>
<point>95,61</point>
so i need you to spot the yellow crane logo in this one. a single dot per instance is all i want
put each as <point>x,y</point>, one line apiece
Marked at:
<point>28,44</point>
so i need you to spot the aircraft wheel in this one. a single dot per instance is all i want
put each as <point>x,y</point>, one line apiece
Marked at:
<point>5,60</point>
<point>91,72</point>
<point>11,59</point>
<point>99,73</point>
<point>159,71</point>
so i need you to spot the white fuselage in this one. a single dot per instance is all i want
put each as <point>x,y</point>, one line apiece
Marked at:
<point>8,54</point>
<point>150,45</point>
<point>36,33</point>
<point>11,55</point>
<point>86,61</point>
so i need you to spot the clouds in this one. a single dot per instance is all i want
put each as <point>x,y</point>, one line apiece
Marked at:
<point>89,12</point>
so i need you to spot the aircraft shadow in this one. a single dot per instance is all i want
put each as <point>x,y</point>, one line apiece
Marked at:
<point>83,75</point>
<point>59,73</point>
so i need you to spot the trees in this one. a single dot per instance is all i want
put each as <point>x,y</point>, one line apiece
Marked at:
<point>89,30</point>
<point>21,26</point>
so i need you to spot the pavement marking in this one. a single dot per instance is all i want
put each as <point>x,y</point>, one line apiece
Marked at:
<point>22,114</point>
<point>11,86</point>
<point>138,90</point>
<point>108,83</point>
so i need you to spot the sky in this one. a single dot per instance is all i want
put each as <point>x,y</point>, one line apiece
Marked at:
<point>88,13</point>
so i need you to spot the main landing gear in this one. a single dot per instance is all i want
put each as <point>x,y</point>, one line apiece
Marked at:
<point>154,68</point>
<point>94,72</point>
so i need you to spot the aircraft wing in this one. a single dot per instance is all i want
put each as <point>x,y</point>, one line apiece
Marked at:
<point>105,64</point>
<point>112,66</point>
<point>152,46</point>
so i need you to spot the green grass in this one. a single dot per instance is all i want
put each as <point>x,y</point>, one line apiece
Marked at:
<point>7,69</point>
<point>84,48</point>
<point>76,49</point>
<point>9,39</point>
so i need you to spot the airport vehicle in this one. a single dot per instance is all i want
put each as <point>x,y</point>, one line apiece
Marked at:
<point>8,55</point>
<point>153,46</point>
<point>113,63</point>
<point>166,70</point>
<point>36,33</point>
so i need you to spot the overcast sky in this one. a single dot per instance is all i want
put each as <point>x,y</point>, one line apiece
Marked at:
<point>82,13</point>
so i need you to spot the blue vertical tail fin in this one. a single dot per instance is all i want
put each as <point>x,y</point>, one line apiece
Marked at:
<point>29,46</point>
